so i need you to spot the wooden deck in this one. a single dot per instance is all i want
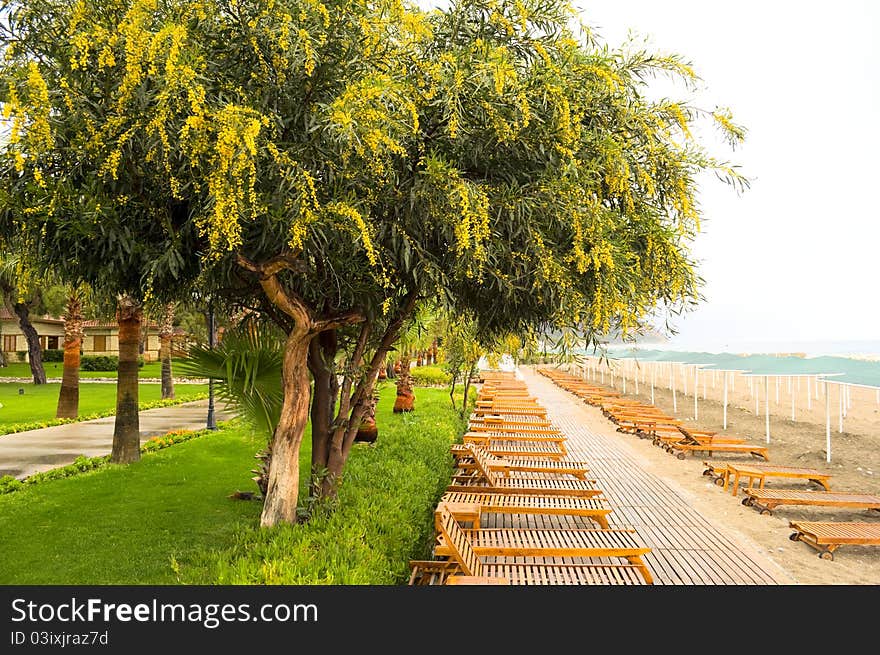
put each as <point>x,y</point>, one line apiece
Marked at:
<point>686,548</point>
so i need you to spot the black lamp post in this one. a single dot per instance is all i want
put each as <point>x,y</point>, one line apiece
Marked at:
<point>212,421</point>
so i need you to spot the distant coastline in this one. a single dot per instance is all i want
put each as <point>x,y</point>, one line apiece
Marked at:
<point>863,350</point>
<point>853,362</point>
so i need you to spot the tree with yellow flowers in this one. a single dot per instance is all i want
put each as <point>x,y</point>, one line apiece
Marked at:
<point>333,165</point>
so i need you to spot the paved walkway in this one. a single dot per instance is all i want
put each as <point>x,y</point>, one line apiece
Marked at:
<point>25,453</point>
<point>686,547</point>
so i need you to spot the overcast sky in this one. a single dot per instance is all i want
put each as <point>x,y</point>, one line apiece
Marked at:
<point>796,257</point>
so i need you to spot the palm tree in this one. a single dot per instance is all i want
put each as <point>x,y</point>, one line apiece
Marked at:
<point>246,369</point>
<point>126,431</point>
<point>68,396</point>
<point>415,339</point>
<point>166,332</point>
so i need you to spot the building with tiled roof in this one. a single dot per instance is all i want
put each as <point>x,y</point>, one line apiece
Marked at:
<point>99,337</point>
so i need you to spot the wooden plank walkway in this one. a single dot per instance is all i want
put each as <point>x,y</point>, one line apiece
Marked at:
<point>686,548</point>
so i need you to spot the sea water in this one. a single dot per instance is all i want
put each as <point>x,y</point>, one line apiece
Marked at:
<point>853,362</point>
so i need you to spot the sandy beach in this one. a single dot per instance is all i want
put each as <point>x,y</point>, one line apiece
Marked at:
<point>854,467</point>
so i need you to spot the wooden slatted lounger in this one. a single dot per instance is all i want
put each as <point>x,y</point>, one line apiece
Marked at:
<point>492,422</point>
<point>505,464</point>
<point>668,441</point>
<point>682,449</point>
<point>486,480</point>
<point>498,440</point>
<point>464,566</point>
<point>498,402</point>
<point>509,410</point>
<point>717,471</point>
<point>646,428</point>
<point>498,395</point>
<point>766,500</point>
<point>530,449</point>
<point>595,508</point>
<point>735,471</point>
<point>826,537</point>
<point>516,542</point>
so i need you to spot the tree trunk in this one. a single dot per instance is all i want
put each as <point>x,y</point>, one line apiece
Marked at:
<point>68,397</point>
<point>405,397</point>
<point>166,332</point>
<point>322,353</point>
<point>282,493</point>
<point>467,389</point>
<point>452,389</point>
<point>35,353</point>
<point>368,431</point>
<point>389,371</point>
<point>126,432</point>
<point>356,407</point>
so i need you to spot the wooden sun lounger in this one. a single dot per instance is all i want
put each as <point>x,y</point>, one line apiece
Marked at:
<point>531,449</point>
<point>665,437</point>
<point>524,542</point>
<point>682,449</point>
<point>477,504</point>
<point>645,427</point>
<point>490,422</point>
<point>717,471</point>
<point>485,438</point>
<point>826,537</point>
<point>766,500</point>
<point>501,401</point>
<point>484,480</point>
<point>510,410</point>
<point>735,471</point>
<point>505,464</point>
<point>464,566</point>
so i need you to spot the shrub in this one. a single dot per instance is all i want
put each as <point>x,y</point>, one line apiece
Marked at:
<point>99,363</point>
<point>429,376</point>
<point>21,355</point>
<point>53,355</point>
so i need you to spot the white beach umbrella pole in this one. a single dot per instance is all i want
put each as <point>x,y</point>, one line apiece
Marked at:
<point>696,391</point>
<point>827,423</point>
<point>767,405</point>
<point>725,400</point>
<point>653,370</point>
<point>674,401</point>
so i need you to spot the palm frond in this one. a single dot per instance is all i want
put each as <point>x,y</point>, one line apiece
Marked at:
<point>246,367</point>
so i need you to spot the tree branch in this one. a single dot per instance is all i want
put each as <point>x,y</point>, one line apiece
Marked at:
<point>339,319</point>
<point>353,363</point>
<point>274,265</point>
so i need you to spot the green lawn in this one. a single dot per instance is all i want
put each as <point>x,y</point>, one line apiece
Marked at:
<point>167,519</point>
<point>55,369</point>
<point>39,401</point>
<point>123,524</point>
